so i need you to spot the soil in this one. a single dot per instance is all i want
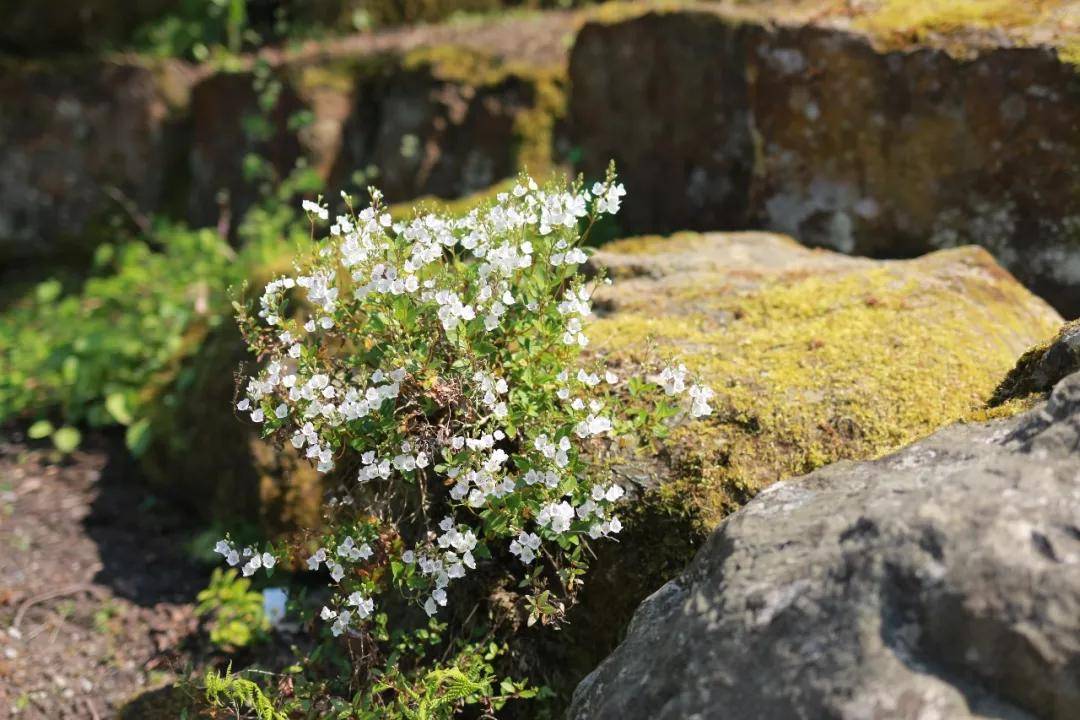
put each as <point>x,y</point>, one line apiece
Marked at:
<point>96,587</point>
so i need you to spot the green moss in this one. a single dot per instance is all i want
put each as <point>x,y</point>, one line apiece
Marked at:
<point>200,452</point>
<point>455,207</point>
<point>814,367</point>
<point>534,129</point>
<point>1069,52</point>
<point>920,17</point>
<point>458,64</point>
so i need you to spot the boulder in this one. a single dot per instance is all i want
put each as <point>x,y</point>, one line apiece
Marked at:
<point>837,133</point>
<point>83,141</point>
<point>815,357</point>
<point>940,581</point>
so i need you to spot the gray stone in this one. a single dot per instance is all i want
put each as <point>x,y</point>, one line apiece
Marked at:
<point>942,581</point>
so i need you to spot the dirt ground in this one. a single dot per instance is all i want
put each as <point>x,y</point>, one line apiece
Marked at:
<point>96,586</point>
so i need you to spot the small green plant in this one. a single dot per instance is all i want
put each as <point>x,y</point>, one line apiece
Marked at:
<point>240,695</point>
<point>196,29</point>
<point>232,611</point>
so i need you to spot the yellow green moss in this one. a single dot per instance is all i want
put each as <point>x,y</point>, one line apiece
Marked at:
<point>455,207</point>
<point>458,64</point>
<point>534,129</point>
<point>814,367</point>
<point>920,17</point>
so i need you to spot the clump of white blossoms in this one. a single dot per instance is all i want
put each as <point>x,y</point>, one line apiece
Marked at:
<point>435,368</point>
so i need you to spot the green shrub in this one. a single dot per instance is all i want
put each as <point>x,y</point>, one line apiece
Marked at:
<point>102,353</point>
<point>84,357</point>
<point>233,613</point>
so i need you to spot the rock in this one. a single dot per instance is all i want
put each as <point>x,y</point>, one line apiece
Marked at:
<point>940,581</point>
<point>48,27</point>
<point>826,131</point>
<point>81,141</point>
<point>1039,369</point>
<point>90,144</point>
<point>814,356</point>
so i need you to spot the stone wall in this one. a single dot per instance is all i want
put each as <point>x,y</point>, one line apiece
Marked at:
<point>724,123</point>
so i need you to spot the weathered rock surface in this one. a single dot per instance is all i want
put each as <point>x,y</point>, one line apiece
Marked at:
<point>81,140</point>
<point>815,357</point>
<point>729,121</point>
<point>940,581</point>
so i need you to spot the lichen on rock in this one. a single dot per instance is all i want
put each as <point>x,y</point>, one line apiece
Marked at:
<point>815,357</point>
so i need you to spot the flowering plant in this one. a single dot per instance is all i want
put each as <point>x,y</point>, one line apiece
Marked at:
<point>436,369</point>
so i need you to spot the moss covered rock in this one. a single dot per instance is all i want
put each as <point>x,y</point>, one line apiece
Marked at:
<point>815,357</point>
<point>1041,367</point>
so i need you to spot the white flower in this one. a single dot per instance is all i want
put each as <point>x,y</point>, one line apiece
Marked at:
<point>364,605</point>
<point>699,406</point>
<point>315,560</point>
<point>557,516</point>
<point>593,425</point>
<point>341,624</point>
<point>315,209</point>
<point>525,546</point>
<point>252,565</point>
<point>673,379</point>
<point>337,572</point>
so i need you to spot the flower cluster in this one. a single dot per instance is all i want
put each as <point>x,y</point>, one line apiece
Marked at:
<point>252,558</point>
<point>435,365</point>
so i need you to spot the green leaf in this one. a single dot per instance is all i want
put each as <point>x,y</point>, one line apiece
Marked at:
<point>48,291</point>
<point>40,429</point>
<point>66,439</point>
<point>116,404</point>
<point>137,437</point>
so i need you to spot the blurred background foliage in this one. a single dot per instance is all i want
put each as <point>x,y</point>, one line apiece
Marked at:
<point>196,29</point>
